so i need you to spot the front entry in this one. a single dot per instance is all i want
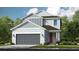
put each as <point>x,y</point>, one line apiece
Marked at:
<point>52,37</point>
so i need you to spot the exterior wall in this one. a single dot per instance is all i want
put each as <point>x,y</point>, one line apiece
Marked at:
<point>50,21</point>
<point>28,25</point>
<point>58,36</point>
<point>44,13</point>
<point>54,37</point>
<point>29,31</point>
<point>46,36</point>
<point>58,24</point>
<point>36,20</point>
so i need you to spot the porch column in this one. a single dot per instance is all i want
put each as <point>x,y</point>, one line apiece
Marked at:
<point>57,36</point>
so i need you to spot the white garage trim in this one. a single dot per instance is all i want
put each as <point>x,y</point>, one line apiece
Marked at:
<point>27,34</point>
<point>42,38</point>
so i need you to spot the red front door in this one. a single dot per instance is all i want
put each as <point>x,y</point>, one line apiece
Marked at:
<point>50,37</point>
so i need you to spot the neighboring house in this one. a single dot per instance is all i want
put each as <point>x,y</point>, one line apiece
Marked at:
<point>38,28</point>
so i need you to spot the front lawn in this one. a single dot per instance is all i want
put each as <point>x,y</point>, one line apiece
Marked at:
<point>56,46</point>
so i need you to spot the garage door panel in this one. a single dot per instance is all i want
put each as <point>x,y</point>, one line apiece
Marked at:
<point>28,39</point>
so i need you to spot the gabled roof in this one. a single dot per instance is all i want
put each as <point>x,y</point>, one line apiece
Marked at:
<point>41,14</point>
<point>24,23</point>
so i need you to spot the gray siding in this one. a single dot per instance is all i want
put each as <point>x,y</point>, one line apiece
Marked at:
<point>46,36</point>
<point>38,17</point>
<point>28,25</point>
<point>36,20</point>
<point>28,39</point>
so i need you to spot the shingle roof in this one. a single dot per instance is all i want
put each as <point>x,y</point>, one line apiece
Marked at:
<point>27,16</point>
<point>50,16</point>
<point>48,27</point>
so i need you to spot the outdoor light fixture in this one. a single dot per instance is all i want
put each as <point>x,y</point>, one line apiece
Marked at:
<point>13,35</point>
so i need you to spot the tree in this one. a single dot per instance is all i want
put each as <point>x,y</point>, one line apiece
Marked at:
<point>6,24</point>
<point>70,29</point>
<point>76,16</point>
<point>64,29</point>
<point>17,21</point>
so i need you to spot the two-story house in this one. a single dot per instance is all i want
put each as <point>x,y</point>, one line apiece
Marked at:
<point>38,28</point>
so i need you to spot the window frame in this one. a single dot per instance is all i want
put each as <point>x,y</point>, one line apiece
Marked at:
<point>55,22</point>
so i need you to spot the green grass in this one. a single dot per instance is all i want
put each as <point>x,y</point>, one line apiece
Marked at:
<point>56,46</point>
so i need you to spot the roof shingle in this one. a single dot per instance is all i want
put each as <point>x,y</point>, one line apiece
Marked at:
<point>48,27</point>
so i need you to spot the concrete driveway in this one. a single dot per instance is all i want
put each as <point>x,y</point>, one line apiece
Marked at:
<point>16,46</point>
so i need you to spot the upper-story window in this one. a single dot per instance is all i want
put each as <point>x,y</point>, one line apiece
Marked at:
<point>55,22</point>
<point>48,22</point>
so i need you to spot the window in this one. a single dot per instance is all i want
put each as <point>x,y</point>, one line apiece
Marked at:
<point>55,22</point>
<point>48,22</point>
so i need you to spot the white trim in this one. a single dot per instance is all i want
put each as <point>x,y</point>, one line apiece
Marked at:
<point>46,12</point>
<point>42,39</point>
<point>24,23</point>
<point>28,32</point>
<point>29,28</point>
<point>52,18</point>
<point>54,30</point>
<point>18,25</point>
<point>30,16</point>
<point>36,25</point>
<point>37,14</point>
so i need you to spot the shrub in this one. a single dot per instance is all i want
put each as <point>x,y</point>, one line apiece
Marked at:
<point>68,43</point>
<point>74,43</point>
<point>46,43</point>
<point>12,43</point>
<point>7,43</point>
<point>77,39</point>
<point>58,42</point>
<point>61,43</point>
<point>2,42</point>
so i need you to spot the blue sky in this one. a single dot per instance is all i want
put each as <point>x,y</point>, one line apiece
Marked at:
<point>17,12</point>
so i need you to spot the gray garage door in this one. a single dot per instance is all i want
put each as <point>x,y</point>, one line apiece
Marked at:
<point>28,39</point>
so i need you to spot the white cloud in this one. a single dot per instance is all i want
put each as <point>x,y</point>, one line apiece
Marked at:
<point>33,10</point>
<point>69,12</point>
<point>57,11</point>
<point>53,10</point>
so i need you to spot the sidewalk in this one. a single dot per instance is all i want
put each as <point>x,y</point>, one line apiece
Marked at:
<point>16,46</point>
